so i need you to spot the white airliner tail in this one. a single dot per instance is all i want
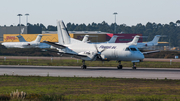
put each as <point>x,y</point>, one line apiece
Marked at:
<point>63,35</point>
<point>38,38</point>
<point>21,38</point>
<point>155,40</point>
<point>113,39</point>
<point>134,41</point>
<point>85,39</point>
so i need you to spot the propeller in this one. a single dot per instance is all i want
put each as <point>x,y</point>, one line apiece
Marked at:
<point>98,54</point>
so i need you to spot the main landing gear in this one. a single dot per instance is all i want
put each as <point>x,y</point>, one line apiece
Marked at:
<point>83,66</point>
<point>134,66</point>
<point>119,66</point>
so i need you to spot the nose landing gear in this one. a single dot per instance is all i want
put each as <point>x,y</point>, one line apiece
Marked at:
<point>119,66</point>
<point>134,65</point>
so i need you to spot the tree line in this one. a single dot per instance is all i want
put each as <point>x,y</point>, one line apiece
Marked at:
<point>171,30</point>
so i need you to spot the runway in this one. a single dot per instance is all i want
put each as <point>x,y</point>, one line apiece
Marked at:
<point>76,71</point>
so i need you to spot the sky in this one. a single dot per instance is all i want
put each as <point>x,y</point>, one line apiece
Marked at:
<point>130,12</point>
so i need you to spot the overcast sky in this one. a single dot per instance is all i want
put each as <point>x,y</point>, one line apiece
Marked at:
<point>130,12</point>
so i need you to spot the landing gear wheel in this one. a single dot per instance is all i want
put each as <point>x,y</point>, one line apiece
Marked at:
<point>119,67</point>
<point>83,66</point>
<point>134,65</point>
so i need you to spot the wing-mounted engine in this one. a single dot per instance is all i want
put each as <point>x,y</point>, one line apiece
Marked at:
<point>94,55</point>
<point>89,54</point>
<point>149,44</point>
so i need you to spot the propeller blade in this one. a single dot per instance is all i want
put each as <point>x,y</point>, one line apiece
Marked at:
<point>103,50</point>
<point>98,54</point>
<point>96,48</point>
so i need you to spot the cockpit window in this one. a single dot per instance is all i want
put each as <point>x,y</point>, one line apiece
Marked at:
<point>133,49</point>
<point>127,49</point>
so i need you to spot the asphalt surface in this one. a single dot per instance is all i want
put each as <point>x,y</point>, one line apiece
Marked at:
<point>71,71</point>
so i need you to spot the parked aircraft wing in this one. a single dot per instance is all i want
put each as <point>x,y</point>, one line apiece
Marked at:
<point>150,52</point>
<point>55,44</point>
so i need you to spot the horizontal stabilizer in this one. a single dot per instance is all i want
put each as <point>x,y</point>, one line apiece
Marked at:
<point>55,44</point>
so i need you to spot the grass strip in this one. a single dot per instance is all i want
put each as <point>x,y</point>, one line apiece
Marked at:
<point>72,62</point>
<point>83,88</point>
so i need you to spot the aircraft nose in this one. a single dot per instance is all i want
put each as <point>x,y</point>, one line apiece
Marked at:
<point>141,56</point>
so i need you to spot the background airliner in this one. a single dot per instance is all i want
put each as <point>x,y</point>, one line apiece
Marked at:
<point>112,40</point>
<point>24,43</point>
<point>154,42</point>
<point>140,46</point>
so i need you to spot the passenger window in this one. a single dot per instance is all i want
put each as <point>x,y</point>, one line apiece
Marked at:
<point>127,49</point>
<point>133,49</point>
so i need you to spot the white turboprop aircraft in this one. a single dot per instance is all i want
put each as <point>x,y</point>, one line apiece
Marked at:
<point>24,43</point>
<point>94,52</point>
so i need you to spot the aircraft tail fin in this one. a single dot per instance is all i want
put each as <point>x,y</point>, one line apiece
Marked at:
<point>63,35</point>
<point>38,38</point>
<point>85,39</point>
<point>22,31</point>
<point>134,41</point>
<point>21,38</point>
<point>155,40</point>
<point>113,39</point>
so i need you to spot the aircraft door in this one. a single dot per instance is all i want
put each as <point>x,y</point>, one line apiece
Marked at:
<point>114,54</point>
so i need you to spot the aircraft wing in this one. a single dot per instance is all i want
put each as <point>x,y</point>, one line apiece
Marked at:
<point>64,54</point>
<point>150,52</point>
<point>72,55</point>
<point>55,44</point>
